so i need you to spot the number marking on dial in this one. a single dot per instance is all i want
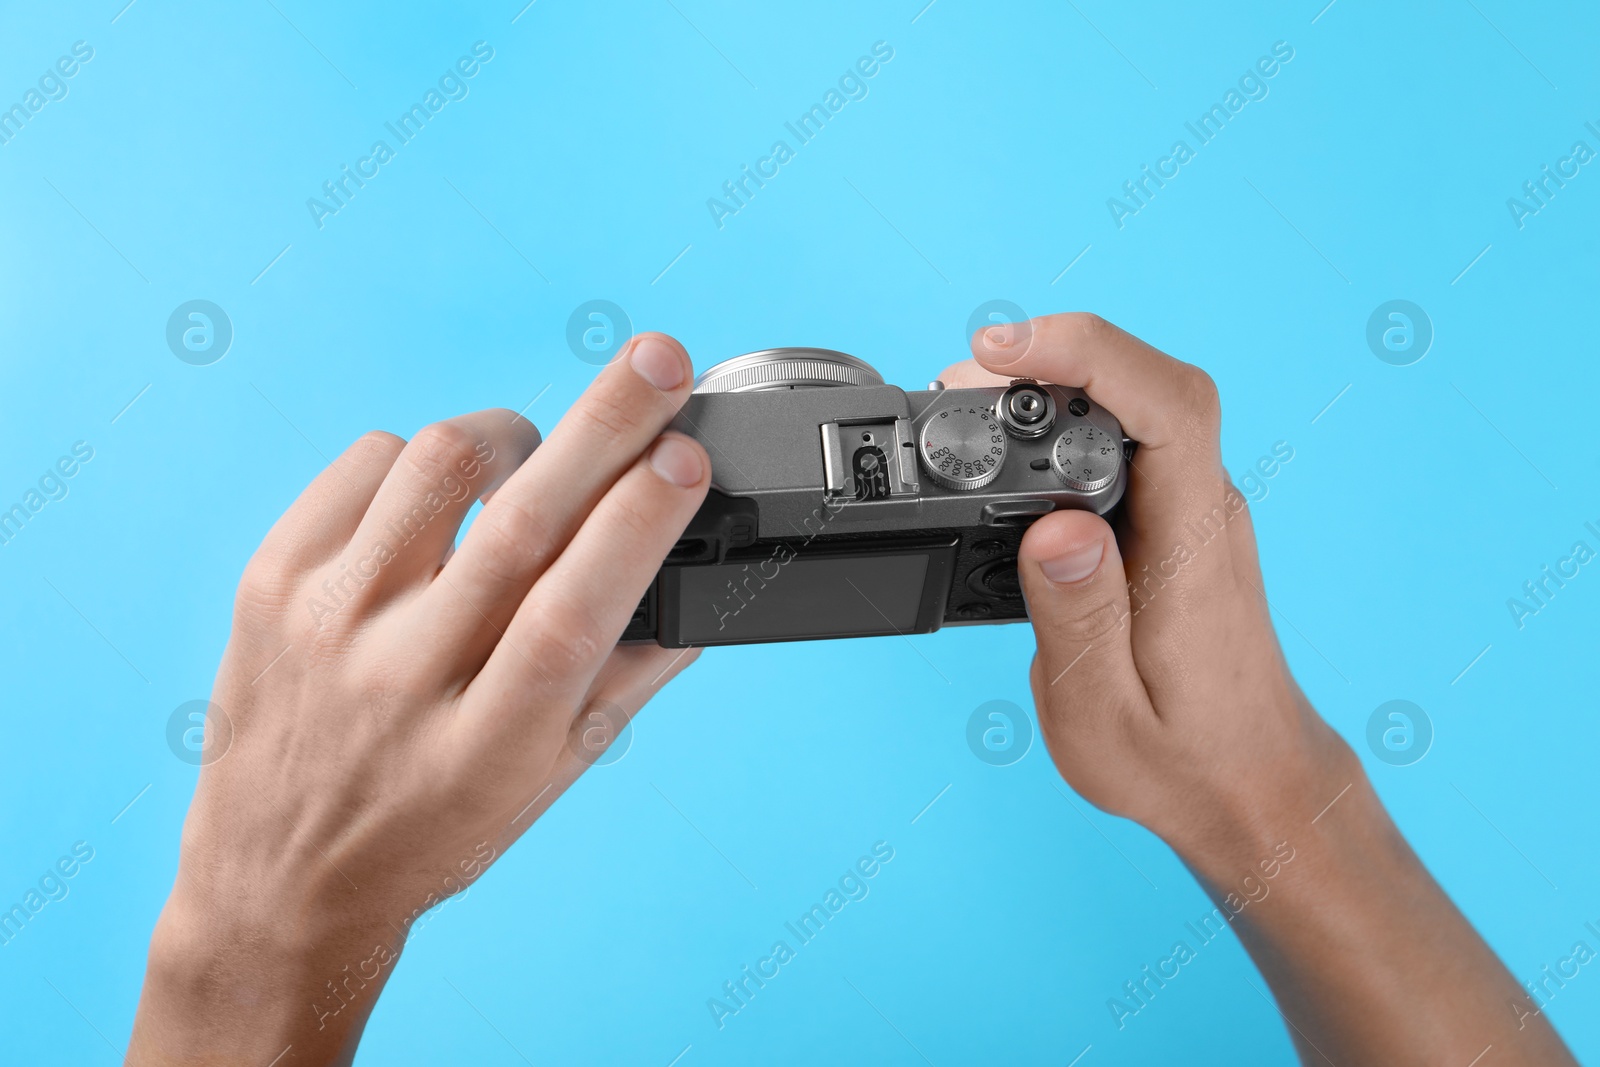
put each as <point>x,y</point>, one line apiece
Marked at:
<point>1085,457</point>
<point>963,448</point>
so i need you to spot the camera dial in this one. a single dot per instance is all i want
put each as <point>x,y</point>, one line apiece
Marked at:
<point>961,446</point>
<point>786,368</point>
<point>1085,457</point>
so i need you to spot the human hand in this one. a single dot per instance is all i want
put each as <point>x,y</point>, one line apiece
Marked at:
<point>399,714</point>
<point>1159,683</point>
<point>1164,697</point>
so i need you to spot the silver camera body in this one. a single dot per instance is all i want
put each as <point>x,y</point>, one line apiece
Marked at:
<point>844,507</point>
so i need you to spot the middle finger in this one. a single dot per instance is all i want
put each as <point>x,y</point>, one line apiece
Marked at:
<point>532,517</point>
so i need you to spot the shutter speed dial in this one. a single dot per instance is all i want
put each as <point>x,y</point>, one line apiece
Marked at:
<point>962,447</point>
<point>1085,457</point>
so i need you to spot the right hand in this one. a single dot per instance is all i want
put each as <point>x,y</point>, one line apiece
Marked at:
<point>1159,683</point>
<point>1164,697</point>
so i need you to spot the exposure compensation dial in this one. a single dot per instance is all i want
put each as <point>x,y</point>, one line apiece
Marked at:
<point>1085,457</point>
<point>962,446</point>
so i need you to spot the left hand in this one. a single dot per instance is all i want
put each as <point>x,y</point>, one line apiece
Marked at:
<point>400,714</point>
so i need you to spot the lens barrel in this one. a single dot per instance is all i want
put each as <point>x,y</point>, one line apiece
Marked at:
<point>787,368</point>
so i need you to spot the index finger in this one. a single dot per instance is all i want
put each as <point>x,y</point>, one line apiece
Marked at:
<point>1159,400</point>
<point>539,509</point>
<point>1168,406</point>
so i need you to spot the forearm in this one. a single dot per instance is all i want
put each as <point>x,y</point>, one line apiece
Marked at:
<point>1369,960</point>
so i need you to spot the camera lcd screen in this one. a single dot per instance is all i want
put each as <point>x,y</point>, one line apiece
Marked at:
<point>827,597</point>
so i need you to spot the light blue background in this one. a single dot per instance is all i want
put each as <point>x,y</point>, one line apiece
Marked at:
<point>981,163</point>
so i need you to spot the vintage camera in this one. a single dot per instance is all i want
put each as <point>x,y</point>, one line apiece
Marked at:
<point>844,507</point>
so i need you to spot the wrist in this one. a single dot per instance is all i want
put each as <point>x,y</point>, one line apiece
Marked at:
<point>1289,803</point>
<point>1318,842</point>
<point>1335,908</point>
<point>232,984</point>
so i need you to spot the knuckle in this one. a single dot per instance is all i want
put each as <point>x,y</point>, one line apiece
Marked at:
<point>438,450</point>
<point>1073,329</point>
<point>1205,400</point>
<point>381,682</point>
<point>509,541</point>
<point>633,522</point>
<point>377,446</point>
<point>1235,501</point>
<point>268,586</point>
<point>326,640</point>
<point>608,414</point>
<point>1069,336</point>
<point>564,642</point>
<point>522,427</point>
<point>1081,622</point>
<point>323,623</point>
<point>1090,325</point>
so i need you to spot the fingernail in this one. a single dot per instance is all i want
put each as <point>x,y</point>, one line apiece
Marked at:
<point>657,363</point>
<point>677,461</point>
<point>1076,565</point>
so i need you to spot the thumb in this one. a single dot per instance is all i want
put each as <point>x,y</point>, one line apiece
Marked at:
<point>1077,594</point>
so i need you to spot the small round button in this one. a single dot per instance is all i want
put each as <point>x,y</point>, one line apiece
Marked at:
<point>1026,410</point>
<point>962,447</point>
<point>1085,457</point>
